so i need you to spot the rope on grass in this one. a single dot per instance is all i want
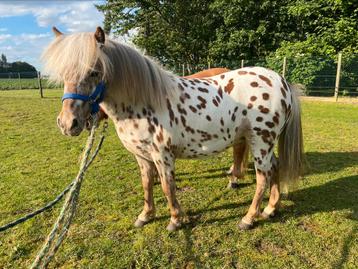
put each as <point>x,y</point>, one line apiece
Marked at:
<point>60,228</point>
<point>36,212</point>
<point>51,204</point>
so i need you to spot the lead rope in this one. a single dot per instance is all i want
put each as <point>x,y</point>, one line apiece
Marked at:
<point>60,228</point>
<point>51,204</point>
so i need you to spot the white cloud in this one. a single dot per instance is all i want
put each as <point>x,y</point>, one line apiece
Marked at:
<point>26,47</point>
<point>6,48</point>
<point>71,16</point>
<point>32,37</point>
<point>76,16</point>
<point>4,37</point>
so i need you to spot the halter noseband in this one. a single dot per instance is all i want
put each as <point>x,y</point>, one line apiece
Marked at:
<point>94,99</point>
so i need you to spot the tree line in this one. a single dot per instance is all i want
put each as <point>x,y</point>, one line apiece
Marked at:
<point>16,67</point>
<point>199,33</point>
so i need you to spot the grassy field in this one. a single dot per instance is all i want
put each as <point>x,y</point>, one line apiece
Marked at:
<point>23,83</point>
<point>316,228</point>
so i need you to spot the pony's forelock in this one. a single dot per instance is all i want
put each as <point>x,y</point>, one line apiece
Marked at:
<point>71,57</point>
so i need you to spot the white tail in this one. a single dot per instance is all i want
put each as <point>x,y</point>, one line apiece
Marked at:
<point>290,147</point>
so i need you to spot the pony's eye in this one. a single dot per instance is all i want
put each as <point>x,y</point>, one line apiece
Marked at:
<point>94,74</point>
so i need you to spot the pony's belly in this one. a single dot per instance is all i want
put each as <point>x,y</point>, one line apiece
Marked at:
<point>137,149</point>
<point>134,142</point>
<point>202,150</point>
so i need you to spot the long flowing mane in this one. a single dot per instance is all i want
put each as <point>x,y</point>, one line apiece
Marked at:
<point>129,73</point>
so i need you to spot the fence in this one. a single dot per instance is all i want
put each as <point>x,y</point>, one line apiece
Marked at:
<point>320,76</point>
<point>24,80</point>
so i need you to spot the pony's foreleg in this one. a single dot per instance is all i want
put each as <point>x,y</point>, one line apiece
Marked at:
<point>274,200</point>
<point>148,172</point>
<point>237,168</point>
<point>263,165</point>
<point>165,165</point>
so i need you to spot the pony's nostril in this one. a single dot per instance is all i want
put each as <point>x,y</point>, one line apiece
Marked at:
<point>74,124</point>
<point>59,122</point>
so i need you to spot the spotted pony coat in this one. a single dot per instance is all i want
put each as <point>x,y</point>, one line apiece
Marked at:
<point>187,118</point>
<point>207,117</point>
<point>240,150</point>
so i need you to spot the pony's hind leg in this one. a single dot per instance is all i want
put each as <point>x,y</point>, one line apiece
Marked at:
<point>263,163</point>
<point>238,166</point>
<point>274,200</point>
<point>165,167</point>
<point>148,172</point>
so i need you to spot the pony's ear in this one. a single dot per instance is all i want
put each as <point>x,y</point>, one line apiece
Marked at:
<point>99,35</point>
<point>56,32</point>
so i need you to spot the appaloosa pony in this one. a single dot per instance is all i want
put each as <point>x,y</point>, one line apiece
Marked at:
<point>160,117</point>
<point>240,152</point>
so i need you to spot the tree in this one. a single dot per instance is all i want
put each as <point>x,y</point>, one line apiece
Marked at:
<point>198,31</point>
<point>250,29</point>
<point>325,28</point>
<point>6,67</point>
<point>226,31</point>
<point>175,32</point>
<point>3,60</point>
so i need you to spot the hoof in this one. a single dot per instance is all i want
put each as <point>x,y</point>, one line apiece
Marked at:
<point>233,185</point>
<point>140,223</point>
<point>243,226</point>
<point>264,215</point>
<point>173,226</point>
<point>268,214</point>
<point>229,172</point>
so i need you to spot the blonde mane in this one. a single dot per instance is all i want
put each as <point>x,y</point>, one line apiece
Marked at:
<point>126,71</point>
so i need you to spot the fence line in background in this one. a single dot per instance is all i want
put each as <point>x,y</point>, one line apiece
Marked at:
<point>40,84</point>
<point>338,76</point>
<point>333,80</point>
<point>26,80</point>
<point>326,81</point>
<point>284,66</point>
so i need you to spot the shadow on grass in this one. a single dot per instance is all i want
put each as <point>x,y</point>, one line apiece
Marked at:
<point>317,163</point>
<point>322,162</point>
<point>206,171</point>
<point>206,174</point>
<point>348,242</point>
<point>191,257</point>
<point>335,195</point>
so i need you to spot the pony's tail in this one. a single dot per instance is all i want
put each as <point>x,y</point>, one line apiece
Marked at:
<point>290,146</point>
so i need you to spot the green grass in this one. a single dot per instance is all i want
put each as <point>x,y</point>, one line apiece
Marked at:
<point>23,83</point>
<point>316,228</point>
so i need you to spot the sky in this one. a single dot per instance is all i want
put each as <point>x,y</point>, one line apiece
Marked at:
<point>25,26</point>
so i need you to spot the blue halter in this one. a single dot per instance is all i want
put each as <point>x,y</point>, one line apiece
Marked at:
<point>94,99</point>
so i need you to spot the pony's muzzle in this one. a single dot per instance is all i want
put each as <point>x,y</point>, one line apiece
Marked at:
<point>70,126</point>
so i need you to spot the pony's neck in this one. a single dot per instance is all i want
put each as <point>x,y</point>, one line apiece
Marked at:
<point>135,78</point>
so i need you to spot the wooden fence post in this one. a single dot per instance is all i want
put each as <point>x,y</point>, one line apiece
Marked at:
<point>338,76</point>
<point>183,70</point>
<point>284,66</point>
<point>242,63</point>
<point>40,85</point>
<point>19,76</point>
